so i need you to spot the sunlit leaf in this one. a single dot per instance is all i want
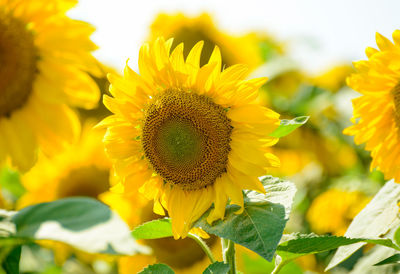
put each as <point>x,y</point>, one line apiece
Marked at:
<point>376,219</point>
<point>84,223</point>
<point>155,229</point>
<point>261,224</point>
<point>287,126</point>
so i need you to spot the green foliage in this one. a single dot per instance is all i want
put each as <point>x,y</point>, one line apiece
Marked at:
<point>155,229</point>
<point>10,181</point>
<point>11,263</point>
<point>287,126</point>
<point>391,260</point>
<point>396,236</point>
<point>376,219</point>
<point>299,244</point>
<point>83,223</point>
<point>217,268</point>
<point>261,224</point>
<point>74,214</point>
<point>254,265</point>
<point>157,269</point>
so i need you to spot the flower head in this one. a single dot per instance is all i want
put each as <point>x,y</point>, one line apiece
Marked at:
<point>188,136</point>
<point>45,59</point>
<point>333,210</point>
<point>376,114</point>
<point>189,30</point>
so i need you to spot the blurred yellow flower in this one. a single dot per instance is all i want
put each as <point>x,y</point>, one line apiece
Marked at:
<point>190,30</point>
<point>333,210</point>
<point>81,170</point>
<point>183,255</point>
<point>187,136</point>
<point>334,78</point>
<point>376,114</point>
<point>45,56</point>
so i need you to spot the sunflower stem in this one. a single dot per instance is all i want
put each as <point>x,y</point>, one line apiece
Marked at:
<point>203,245</point>
<point>228,253</point>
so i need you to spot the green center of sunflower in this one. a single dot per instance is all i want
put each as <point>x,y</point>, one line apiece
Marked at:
<point>396,100</point>
<point>18,63</point>
<point>186,138</point>
<point>89,181</point>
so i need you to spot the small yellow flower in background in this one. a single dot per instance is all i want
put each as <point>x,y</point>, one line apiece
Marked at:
<point>376,114</point>
<point>188,136</point>
<point>183,255</point>
<point>190,30</point>
<point>81,170</point>
<point>334,78</point>
<point>45,56</point>
<point>333,210</point>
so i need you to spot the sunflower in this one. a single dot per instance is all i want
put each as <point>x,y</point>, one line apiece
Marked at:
<point>333,210</point>
<point>45,59</point>
<point>376,114</point>
<point>183,255</point>
<point>334,78</point>
<point>188,136</point>
<point>243,49</point>
<point>81,170</point>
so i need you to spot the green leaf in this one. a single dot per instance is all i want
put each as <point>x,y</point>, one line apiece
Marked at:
<point>84,223</point>
<point>10,181</point>
<point>260,226</point>
<point>391,260</point>
<point>396,236</point>
<point>217,268</point>
<point>376,219</point>
<point>304,244</point>
<point>155,229</point>
<point>11,263</point>
<point>287,126</point>
<point>157,269</point>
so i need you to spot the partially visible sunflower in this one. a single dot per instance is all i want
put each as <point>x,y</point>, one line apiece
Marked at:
<point>45,59</point>
<point>188,136</point>
<point>183,255</point>
<point>243,49</point>
<point>81,170</point>
<point>333,210</point>
<point>334,78</point>
<point>376,114</point>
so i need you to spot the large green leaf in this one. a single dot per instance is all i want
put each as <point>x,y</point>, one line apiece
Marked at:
<point>217,268</point>
<point>287,126</point>
<point>157,269</point>
<point>155,229</point>
<point>376,219</point>
<point>261,224</point>
<point>303,244</point>
<point>84,223</point>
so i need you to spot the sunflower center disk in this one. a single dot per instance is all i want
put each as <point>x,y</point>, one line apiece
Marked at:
<point>18,63</point>
<point>186,139</point>
<point>89,181</point>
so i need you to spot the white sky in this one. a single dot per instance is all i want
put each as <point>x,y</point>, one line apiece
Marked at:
<point>321,32</point>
